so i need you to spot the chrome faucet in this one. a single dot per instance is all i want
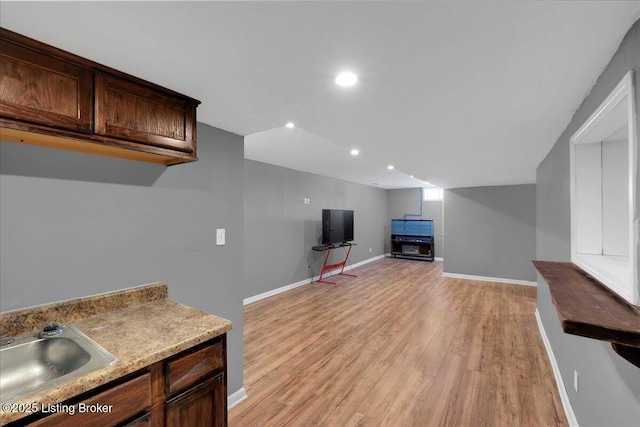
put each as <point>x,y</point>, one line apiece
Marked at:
<point>50,331</point>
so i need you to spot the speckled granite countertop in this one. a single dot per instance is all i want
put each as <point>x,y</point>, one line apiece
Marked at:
<point>125,323</point>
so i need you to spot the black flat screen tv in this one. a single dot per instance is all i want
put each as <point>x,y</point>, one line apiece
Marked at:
<point>337,226</point>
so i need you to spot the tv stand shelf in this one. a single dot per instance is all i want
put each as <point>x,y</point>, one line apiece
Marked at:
<point>412,238</point>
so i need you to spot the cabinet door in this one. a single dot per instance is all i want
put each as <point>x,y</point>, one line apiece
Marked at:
<point>40,89</point>
<point>109,408</point>
<point>136,113</point>
<point>203,405</point>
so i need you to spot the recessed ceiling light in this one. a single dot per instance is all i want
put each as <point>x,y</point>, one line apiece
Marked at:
<point>355,152</point>
<point>346,79</point>
<point>390,167</point>
<point>289,125</point>
<point>410,176</point>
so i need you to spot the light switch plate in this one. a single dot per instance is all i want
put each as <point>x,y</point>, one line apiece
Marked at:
<point>220,236</point>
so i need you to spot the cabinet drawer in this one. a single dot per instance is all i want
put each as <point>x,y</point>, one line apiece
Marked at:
<point>118,404</point>
<point>129,111</point>
<point>37,88</point>
<point>187,370</point>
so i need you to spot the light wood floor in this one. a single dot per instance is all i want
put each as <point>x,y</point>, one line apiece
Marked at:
<point>397,346</point>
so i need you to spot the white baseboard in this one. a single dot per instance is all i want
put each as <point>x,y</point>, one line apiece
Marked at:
<point>358,264</point>
<point>564,397</point>
<point>276,291</point>
<point>236,397</point>
<point>438,258</point>
<point>489,279</point>
<point>285,288</point>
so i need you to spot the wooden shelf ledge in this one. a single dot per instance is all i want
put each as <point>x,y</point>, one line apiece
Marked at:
<point>589,309</point>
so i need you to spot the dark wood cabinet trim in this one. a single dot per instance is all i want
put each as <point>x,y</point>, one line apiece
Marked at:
<point>32,134</point>
<point>144,420</point>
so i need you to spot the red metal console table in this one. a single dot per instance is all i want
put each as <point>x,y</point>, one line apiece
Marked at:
<point>327,249</point>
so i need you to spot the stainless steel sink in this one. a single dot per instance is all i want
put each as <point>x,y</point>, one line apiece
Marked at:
<point>29,364</point>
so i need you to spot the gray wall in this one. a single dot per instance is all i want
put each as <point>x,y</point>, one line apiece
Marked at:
<point>407,201</point>
<point>280,229</point>
<point>74,225</point>
<point>491,231</point>
<point>609,385</point>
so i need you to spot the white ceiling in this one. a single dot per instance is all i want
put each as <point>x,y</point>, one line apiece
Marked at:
<point>305,151</point>
<point>457,93</point>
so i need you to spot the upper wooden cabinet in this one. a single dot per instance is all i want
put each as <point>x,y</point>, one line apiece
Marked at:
<point>56,99</point>
<point>42,89</point>
<point>130,111</point>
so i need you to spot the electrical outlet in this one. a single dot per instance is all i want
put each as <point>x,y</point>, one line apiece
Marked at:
<point>220,236</point>
<point>575,380</point>
<point>369,250</point>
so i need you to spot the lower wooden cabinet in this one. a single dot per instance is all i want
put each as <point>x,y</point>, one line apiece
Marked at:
<point>200,406</point>
<point>196,387</point>
<point>188,389</point>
